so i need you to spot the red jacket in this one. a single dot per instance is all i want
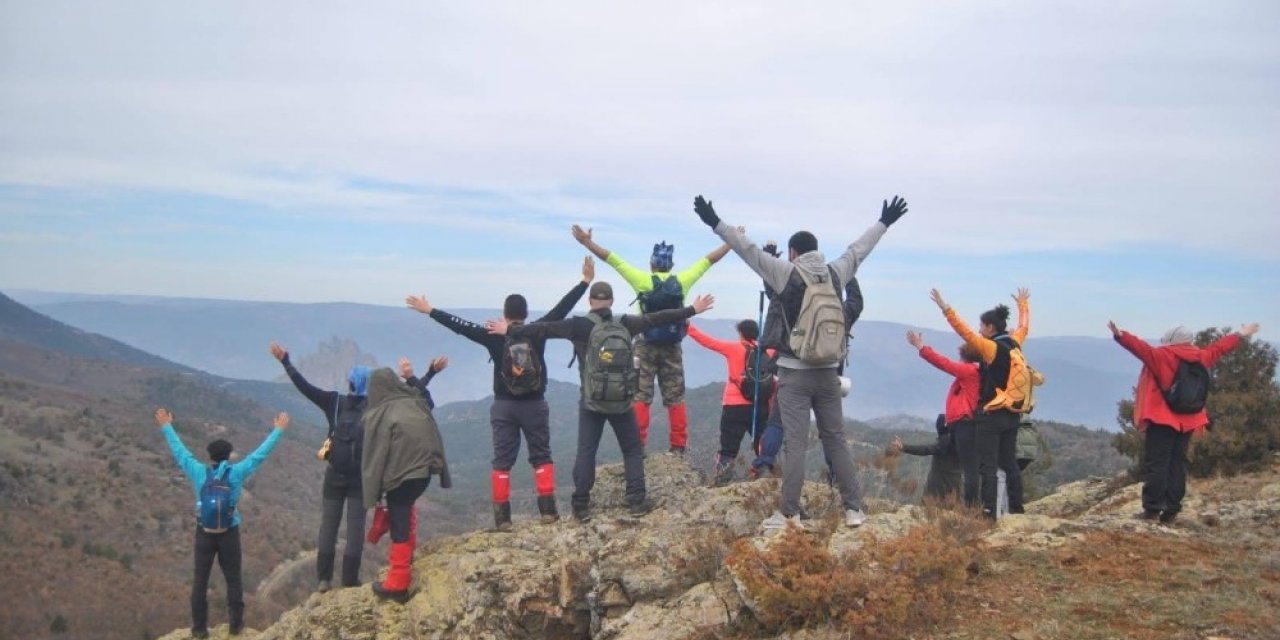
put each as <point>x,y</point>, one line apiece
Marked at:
<point>962,397</point>
<point>735,358</point>
<point>1159,365</point>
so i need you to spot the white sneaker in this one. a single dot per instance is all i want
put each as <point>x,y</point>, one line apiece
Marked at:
<point>854,517</point>
<point>778,521</point>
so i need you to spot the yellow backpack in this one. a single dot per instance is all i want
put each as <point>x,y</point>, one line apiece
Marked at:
<point>1018,395</point>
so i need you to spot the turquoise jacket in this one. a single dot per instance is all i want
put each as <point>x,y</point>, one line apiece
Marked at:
<point>197,471</point>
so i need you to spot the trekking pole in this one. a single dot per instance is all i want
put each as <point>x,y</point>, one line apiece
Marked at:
<point>755,397</point>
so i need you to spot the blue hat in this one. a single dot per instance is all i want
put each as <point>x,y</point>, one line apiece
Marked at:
<point>661,259</point>
<point>359,380</point>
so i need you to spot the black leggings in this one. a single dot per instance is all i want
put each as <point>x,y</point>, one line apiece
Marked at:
<point>735,422</point>
<point>339,491</point>
<point>997,447</point>
<point>225,547</point>
<point>400,507</point>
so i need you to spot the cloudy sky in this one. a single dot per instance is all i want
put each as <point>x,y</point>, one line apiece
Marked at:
<point>1121,159</point>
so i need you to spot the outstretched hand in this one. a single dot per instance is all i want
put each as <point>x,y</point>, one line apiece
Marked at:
<point>163,417</point>
<point>282,421</point>
<point>278,352</point>
<point>583,236</point>
<point>1115,331</point>
<point>896,445</point>
<point>1022,295</point>
<point>440,364</point>
<point>703,208</point>
<point>497,327</point>
<point>915,339</point>
<point>891,211</point>
<point>936,296</point>
<point>1249,329</point>
<point>406,368</point>
<point>419,304</point>
<point>703,302</point>
<point>588,269</point>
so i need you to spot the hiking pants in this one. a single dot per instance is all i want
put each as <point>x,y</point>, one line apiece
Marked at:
<point>996,442</point>
<point>338,491</point>
<point>400,507</point>
<point>510,418</point>
<point>590,430</point>
<point>666,361</point>
<point>966,434</point>
<point>1165,468</point>
<point>769,439</point>
<point>945,472</point>
<point>799,391</point>
<point>735,422</point>
<point>225,547</point>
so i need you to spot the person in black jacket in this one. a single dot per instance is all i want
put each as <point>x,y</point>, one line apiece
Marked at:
<point>519,405</point>
<point>945,470</point>
<point>406,372</point>
<point>591,423</point>
<point>342,449</point>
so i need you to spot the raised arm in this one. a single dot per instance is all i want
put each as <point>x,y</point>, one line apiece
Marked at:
<point>774,270</point>
<point>723,347</point>
<point>1224,345</point>
<point>985,347</point>
<point>718,253</point>
<point>567,329</point>
<point>464,328</point>
<point>637,324</point>
<point>319,397</point>
<point>188,463</point>
<point>1131,343</point>
<point>567,303</point>
<point>249,466</point>
<point>583,236</point>
<point>1023,298</point>
<point>847,264</point>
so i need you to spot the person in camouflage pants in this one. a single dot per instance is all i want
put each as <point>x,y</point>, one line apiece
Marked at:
<point>663,359</point>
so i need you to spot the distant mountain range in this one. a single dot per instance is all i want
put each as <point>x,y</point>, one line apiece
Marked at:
<point>1086,376</point>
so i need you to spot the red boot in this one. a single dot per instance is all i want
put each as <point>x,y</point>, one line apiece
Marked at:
<point>679,419</point>
<point>642,421</point>
<point>381,524</point>
<point>399,574</point>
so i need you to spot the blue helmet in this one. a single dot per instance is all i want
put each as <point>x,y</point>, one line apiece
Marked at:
<point>662,256</point>
<point>358,380</point>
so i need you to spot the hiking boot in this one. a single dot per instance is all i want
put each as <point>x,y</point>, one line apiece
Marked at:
<point>235,629</point>
<point>1148,514</point>
<point>639,509</point>
<point>1167,517</point>
<point>502,516</point>
<point>203,633</point>
<point>723,472</point>
<point>854,517</point>
<point>547,509</point>
<point>324,586</point>
<point>582,514</point>
<point>675,450</point>
<point>777,522</point>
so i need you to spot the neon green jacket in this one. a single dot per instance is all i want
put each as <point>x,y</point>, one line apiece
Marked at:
<point>642,281</point>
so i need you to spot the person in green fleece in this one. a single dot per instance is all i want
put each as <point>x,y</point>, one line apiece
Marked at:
<point>658,351</point>
<point>212,541</point>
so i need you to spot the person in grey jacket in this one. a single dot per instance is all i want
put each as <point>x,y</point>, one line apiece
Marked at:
<point>402,451</point>
<point>805,386</point>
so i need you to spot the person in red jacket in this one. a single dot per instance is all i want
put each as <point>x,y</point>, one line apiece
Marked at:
<point>738,416</point>
<point>962,403</point>
<point>1167,433</point>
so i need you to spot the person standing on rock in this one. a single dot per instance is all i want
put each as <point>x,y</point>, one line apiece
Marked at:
<point>812,346</point>
<point>1003,395</point>
<point>402,451</point>
<point>519,400</point>
<point>738,416</point>
<point>945,470</point>
<point>341,485</point>
<point>602,345</point>
<point>658,349</point>
<point>961,406</point>
<point>217,487</point>
<point>1169,408</point>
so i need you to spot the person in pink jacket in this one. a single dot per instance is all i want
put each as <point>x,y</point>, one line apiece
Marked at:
<point>1167,429</point>
<point>738,416</point>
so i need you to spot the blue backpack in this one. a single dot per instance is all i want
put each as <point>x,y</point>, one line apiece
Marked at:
<point>216,510</point>
<point>666,294</point>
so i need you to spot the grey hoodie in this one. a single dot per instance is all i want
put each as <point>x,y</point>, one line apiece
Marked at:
<point>401,440</point>
<point>777,272</point>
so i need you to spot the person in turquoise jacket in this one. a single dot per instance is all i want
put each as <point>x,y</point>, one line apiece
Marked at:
<point>223,545</point>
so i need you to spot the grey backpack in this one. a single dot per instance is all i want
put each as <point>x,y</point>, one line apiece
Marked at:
<point>608,367</point>
<point>818,335</point>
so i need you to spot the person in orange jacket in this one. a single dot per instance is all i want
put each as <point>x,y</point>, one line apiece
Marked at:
<point>738,416</point>
<point>1167,429</point>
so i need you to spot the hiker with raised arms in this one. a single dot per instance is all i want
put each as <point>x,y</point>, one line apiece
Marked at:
<point>658,349</point>
<point>217,486</point>
<point>744,403</point>
<point>812,344</point>
<point>437,365</point>
<point>1169,408</point>
<point>602,345</point>
<point>342,451</point>
<point>1004,395</point>
<point>519,402</point>
<point>403,450</point>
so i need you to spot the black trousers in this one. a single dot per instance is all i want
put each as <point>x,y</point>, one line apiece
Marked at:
<point>735,422</point>
<point>339,491</point>
<point>590,430</point>
<point>400,507</point>
<point>996,442</point>
<point>225,547</point>
<point>966,435</point>
<point>509,419</point>
<point>1165,471</point>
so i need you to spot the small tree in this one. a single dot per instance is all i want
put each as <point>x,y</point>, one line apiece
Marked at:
<point>1244,406</point>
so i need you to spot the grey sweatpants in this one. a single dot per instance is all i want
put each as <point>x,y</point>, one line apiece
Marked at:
<point>800,390</point>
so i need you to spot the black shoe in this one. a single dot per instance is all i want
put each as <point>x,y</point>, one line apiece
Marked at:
<point>679,451</point>
<point>1167,516</point>
<point>582,514</point>
<point>547,509</point>
<point>397,596</point>
<point>236,629</point>
<point>1148,514</point>
<point>639,509</point>
<point>502,516</point>
<point>204,633</point>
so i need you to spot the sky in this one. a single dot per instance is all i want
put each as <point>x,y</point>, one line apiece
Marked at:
<point>1122,160</point>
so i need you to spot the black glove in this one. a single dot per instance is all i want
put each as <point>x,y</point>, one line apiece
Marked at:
<point>703,209</point>
<point>890,212</point>
<point>771,248</point>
